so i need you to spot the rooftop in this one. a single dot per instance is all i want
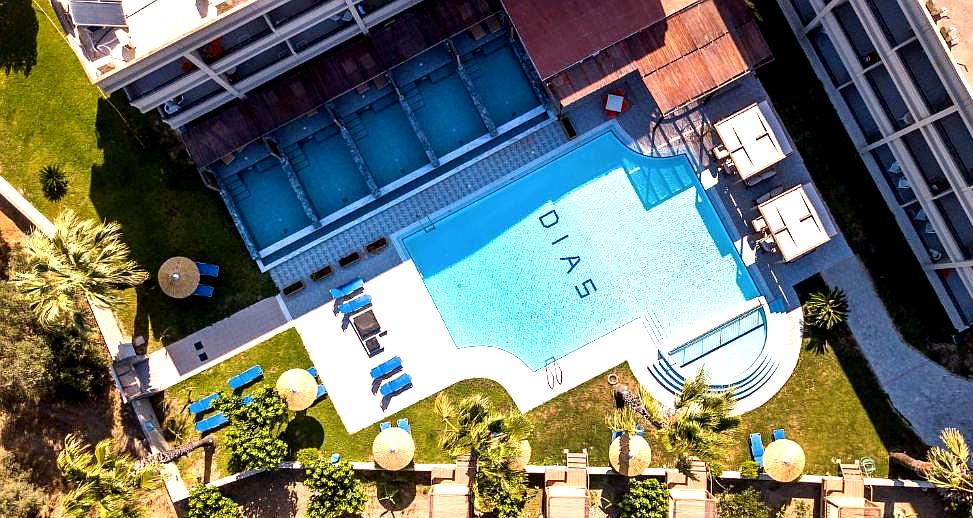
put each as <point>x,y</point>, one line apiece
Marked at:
<point>962,53</point>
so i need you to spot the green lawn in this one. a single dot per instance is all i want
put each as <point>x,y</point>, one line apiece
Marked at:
<point>831,405</point>
<point>122,166</point>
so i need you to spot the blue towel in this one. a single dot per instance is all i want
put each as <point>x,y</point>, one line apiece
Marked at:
<point>404,424</point>
<point>384,425</point>
<point>778,434</point>
<point>203,404</point>
<point>398,384</point>
<point>214,421</point>
<point>208,270</point>
<point>355,304</point>
<point>204,290</point>
<point>246,377</point>
<point>386,367</point>
<point>348,288</point>
<point>757,448</point>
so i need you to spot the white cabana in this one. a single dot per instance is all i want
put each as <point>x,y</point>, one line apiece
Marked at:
<point>754,139</point>
<point>797,220</point>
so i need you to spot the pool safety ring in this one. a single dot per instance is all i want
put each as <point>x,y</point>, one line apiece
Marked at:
<point>613,379</point>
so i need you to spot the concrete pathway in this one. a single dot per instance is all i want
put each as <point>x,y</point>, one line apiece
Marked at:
<point>930,397</point>
<point>214,344</point>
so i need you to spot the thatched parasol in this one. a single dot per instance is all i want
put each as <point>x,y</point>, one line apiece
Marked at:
<point>630,455</point>
<point>393,448</point>
<point>178,277</point>
<point>298,388</point>
<point>784,460</point>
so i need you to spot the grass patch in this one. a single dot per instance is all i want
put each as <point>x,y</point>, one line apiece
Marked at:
<point>123,166</point>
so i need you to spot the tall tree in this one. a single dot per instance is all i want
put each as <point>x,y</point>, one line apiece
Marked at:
<point>947,468</point>
<point>104,480</point>
<point>83,258</point>
<point>698,425</point>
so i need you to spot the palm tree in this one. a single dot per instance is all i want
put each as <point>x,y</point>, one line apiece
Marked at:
<point>946,468</point>
<point>104,480</point>
<point>699,425</point>
<point>83,258</point>
<point>492,439</point>
<point>826,309</point>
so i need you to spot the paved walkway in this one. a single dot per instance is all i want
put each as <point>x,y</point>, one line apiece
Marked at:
<point>930,397</point>
<point>214,344</point>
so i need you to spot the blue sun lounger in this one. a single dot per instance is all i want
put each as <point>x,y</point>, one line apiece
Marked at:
<point>778,434</point>
<point>757,448</point>
<point>321,391</point>
<point>347,289</point>
<point>384,425</point>
<point>207,269</point>
<point>395,386</point>
<point>313,372</point>
<point>204,290</point>
<point>404,424</point>
<point>355,304</point>
<point>212,422</point>
<point>387,367</point>
<point>204,404</point>
<point>246,400</point>
<point>245,378</point>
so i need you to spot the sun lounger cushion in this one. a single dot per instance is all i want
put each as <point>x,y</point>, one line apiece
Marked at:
<point>321,391</point>
<point>204,290</point>
<point>355,304</point>
<point>203,404</point>
<point>313,372</point>
<point>404,424</point>
<point>347,289</point>
<point>245,378</point>
<point>208,270</point>
<point>778,434</point>
<point>212,422</point>
<point>757,448</point>
<point>247,399</point>
<point>386,367</point>
<point>396,385</point>
<point>385,425</point>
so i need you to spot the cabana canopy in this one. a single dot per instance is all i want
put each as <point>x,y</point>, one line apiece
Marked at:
<point>752,137</point>
<point>795,221</point>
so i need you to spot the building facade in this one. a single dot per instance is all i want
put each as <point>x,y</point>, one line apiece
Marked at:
<point>186,64</point>
<point>904,96</point>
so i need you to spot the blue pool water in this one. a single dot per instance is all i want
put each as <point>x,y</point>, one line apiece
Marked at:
<point>445,111</point>
<point>267,203</point>
<point>386,140</point>
<point>498,77</point>
<point>578,247</point>
<point>328,172</point>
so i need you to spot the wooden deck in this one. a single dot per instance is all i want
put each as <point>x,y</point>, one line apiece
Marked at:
<point>338,70</point>
<point>681,58</point>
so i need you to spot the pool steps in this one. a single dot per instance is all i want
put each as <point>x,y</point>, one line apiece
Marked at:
<point>235,186</point>
<point>754,378</point>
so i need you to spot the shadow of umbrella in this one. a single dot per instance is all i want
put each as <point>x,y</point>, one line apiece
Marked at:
<point>394,492</point>
<point>304,431</point>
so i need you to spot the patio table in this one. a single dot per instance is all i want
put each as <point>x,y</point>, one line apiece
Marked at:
<point>178,277</point>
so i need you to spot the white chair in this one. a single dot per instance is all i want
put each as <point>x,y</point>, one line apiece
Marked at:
<point>935,10</point>
<point>950,35</point>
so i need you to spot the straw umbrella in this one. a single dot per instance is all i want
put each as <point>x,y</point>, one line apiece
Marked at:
<point>784,460</point>
<point>178,277</point>
<point>393,448</point>
<point>298,388</point>
<point>630,454</point>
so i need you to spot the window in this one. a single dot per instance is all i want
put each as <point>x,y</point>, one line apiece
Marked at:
<point>284,13</point>
<point>234,40</point>
<point>888,95</point>
<point>829,57</point>
<point>322,30</point>
<point>956,135</point>
<point>159,77</point>
<point>804,10</point>
<point>193,97</point>
<point>920,222</point>
<point>852,27</point>
<point>892,19</point>
<point>957,221</point>
<point>928,166</point>
<point>925,78</point>
<point>862,116</point>
<point>258,62</point>
<point>894,175</point>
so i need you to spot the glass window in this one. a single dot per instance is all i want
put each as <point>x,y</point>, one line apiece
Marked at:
<point>893,21</point>
<point>829,56</point>
<point>927,234</point>
<point>258,62</point>
<point>159,78</point>
<point>862,116</point>
<point>191,98</point>
<point>957,221</point>
<point>956,135</point>
<point>928,166</point>
<point>322,30</point>
<point>888,95</point>
<point>958,293</point>
<point>852,27</point>
<point>284,13</point>
<point>234,40</point>
<point>804,10</point>
<point>894,175</point>
<point>925,78</point>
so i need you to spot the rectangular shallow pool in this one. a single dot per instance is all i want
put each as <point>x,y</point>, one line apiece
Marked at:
<point>578,247</point>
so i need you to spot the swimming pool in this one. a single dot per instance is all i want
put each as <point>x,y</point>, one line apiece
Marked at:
<point>578,247</point>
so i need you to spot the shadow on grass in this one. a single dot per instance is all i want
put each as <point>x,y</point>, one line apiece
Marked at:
<point>18,45</point>
<point>894,431</point>
<point>147,184</point>
<point>303,431</point>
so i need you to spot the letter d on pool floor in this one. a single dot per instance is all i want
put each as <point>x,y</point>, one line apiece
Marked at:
<point>548,219</point>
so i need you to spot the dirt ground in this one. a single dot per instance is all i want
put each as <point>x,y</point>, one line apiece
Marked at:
<point>35,433</point>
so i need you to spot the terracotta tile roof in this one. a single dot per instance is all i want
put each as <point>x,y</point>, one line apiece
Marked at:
<point>681,58</point>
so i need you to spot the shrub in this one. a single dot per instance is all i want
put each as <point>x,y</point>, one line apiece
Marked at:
<point>335,490</point>
<point>825,310</point>
<point>254,435</point>
<point>503,493</point>
<point>54,182</point>
<point>257,448</point>
<point>80,366</point>
<point>18,497</point>
<point>208,502</point>
<point>25,351</point>
<point>748,503</point>
<point>644,498</point>
<point>267,410</point>
<point>750,469</point>
<point>307,456</point>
